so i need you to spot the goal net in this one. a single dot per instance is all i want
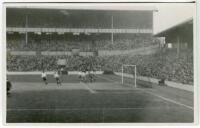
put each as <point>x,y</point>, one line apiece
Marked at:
<point>129,75</point>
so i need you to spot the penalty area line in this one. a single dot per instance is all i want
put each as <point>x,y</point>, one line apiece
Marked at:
<point>170,100</point>
<point>88,88</point>
<point>163,98</point>
<point>167,99</point>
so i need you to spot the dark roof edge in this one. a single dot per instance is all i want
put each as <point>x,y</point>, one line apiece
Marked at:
<point>174,26</point>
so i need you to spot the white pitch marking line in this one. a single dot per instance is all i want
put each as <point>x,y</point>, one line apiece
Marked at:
<point>167,99</point>
<point>88,88</point>
<point>170,100</point>
<point>164,98</point>
<point>78,109</point>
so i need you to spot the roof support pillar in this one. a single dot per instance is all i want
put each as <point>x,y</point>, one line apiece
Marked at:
<point>112,28</point>
<point>178,45</point>
<point>26,34</point>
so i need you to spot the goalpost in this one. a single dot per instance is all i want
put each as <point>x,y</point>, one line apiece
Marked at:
<point>129,72</point>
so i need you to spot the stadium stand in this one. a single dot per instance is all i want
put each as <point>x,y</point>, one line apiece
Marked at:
<point>163,64</point>
<point>172,68</point>
<point>166,65</point>
<point>58,44</point>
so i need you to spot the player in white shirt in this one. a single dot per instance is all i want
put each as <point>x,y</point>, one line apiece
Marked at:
<point>61,73</point>
<point>82,76</point>
<point>44,77</point>
<point>57,77</point>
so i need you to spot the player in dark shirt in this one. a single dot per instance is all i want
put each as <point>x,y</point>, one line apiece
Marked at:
<point>57,77</point>
<point>9,86</point>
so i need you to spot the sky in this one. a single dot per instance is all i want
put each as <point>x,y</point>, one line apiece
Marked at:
<point>171,15</point>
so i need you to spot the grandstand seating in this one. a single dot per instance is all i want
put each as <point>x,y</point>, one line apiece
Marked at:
<point>160,65</point>
<point>166,65</point>
<point>58,44</point>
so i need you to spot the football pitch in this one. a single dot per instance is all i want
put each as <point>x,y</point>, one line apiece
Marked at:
<point>104,101</point>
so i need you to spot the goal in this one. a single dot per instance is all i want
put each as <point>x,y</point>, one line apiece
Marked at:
<point>129,75</point>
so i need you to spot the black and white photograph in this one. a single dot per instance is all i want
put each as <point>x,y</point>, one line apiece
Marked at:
<point>100,63</point>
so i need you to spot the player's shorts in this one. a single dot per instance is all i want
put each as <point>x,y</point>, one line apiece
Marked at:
<point>44,78</point>
<point>57,78</point>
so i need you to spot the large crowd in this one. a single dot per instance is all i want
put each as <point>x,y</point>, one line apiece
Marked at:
<point>45,46</point>
<point>127,44</point>
<point>84,45</point>
<point>167,65</point>
<point>49,63</point>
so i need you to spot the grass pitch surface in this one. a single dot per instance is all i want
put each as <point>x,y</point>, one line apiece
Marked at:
<point>106,100</point>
